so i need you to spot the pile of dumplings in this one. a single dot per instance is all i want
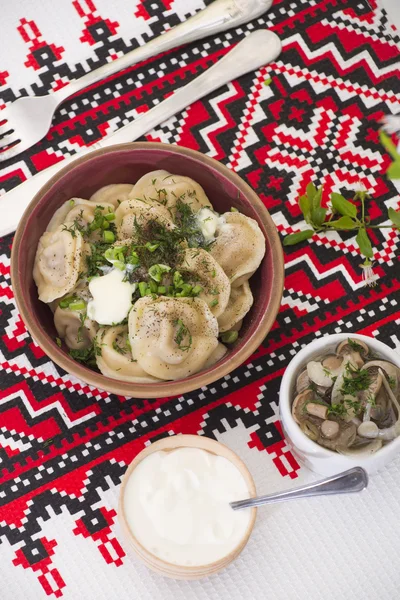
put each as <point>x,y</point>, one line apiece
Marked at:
<point>163,337</point>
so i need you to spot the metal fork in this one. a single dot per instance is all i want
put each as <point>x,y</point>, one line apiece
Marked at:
<point>26,121</point>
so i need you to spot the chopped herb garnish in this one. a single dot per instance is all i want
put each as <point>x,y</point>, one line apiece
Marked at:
<point>358,380</point>
<point>118,348</point>
<point>355,346</point>
<point>86,356</point>
<point>82,318</point>
<point>182,334</point>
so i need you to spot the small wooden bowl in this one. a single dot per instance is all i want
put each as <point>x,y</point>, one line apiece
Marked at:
<point>157,564</point>
<point>126,163</point>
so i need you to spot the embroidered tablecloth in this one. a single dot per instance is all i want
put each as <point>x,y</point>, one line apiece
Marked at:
<point>64,446</point>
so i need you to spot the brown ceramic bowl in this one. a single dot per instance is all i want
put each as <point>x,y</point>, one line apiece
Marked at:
<point>154,562</point>
<point>126,163</point>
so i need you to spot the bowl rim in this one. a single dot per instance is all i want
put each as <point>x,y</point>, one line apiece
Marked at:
<point>164,388</point>
<point>172,443</point>
<point>285,403</point>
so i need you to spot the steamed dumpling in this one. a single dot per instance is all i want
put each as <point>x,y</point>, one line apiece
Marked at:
<point>112,193</point>
<point>69,327</point>
<point>114,357</point>
<point>240,302</point>
<point>59,259</point>
<point>141,211</point>
<point>239,247</point>
<point>172,338</point>
<point>198,267</point>
<point>76,210</point>
<point>165,188</point>
<point>216,356</point>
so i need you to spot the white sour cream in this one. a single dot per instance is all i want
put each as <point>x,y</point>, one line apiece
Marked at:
<point>176,504</point>
<point>112,298</point>
<point>207,221</point>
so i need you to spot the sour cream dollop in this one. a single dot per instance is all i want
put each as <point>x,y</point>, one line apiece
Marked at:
<point>176,504</point>
<point>112,298</point>
<point>208,222</point>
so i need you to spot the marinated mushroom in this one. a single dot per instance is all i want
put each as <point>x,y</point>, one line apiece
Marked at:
<point>348,402</point>
<point>357,350</point>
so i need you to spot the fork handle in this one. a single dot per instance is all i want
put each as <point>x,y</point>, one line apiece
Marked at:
<point>256,50</point>
<point>219,16</point>
<point>349,482</point>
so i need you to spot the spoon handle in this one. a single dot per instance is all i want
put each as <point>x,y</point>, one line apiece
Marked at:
<point>348,482</point>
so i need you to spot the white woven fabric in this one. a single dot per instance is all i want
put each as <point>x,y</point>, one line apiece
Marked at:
<point>337,548</point>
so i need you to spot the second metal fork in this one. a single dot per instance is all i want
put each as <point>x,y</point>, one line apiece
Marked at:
<point>26,121</point>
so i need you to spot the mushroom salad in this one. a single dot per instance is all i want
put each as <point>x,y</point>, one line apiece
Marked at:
<point>349,401</point>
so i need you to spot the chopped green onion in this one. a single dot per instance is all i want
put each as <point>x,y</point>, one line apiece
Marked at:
<point>151,247</point>
<point>213,274</point>
<point>108,237</point>
<point>105,225</point>
<point>77,304</point>
<point>119,265</point>
<point>153,287</point>
<point>229,337</point>
<point>67,301</point>
<point>197,290</point>
<point>58,342</point>
<point>161,289</point>
<point>233,209</point>
<point>109,254</point>
<point>109,216</point>
<point>177,279</point>
<point>186,290</point>
<point>97,221</point>
<point>71,203</point>
<point>214,303</point>
<point>133,259</point>
<point>142,288</point>
<point>156,272</point>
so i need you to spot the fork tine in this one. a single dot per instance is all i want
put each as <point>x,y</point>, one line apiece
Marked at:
<point>5,131</point>
<point>9,140</point>
<point>7,154</point>
<point>5,127</point>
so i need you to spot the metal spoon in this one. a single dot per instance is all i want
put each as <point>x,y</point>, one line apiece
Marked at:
<point>348,482</point>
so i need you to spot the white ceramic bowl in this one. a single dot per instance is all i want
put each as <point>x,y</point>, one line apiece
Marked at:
<point>315,457</point>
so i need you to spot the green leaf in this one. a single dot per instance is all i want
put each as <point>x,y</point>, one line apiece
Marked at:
<point>305,207</point>
<point>343,223</point>
<point>295,238</point>
<point>343,206</point>
<point>394,216</point>
<point>318,216</point>
<point>389,145</point>
<point>311,190</point>
<point>364,243</point>
<point>316,202</point>
<point>393,171</point>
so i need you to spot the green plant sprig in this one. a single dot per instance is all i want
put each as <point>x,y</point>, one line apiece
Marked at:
<point>393,171</point>
<point>345,216</point>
